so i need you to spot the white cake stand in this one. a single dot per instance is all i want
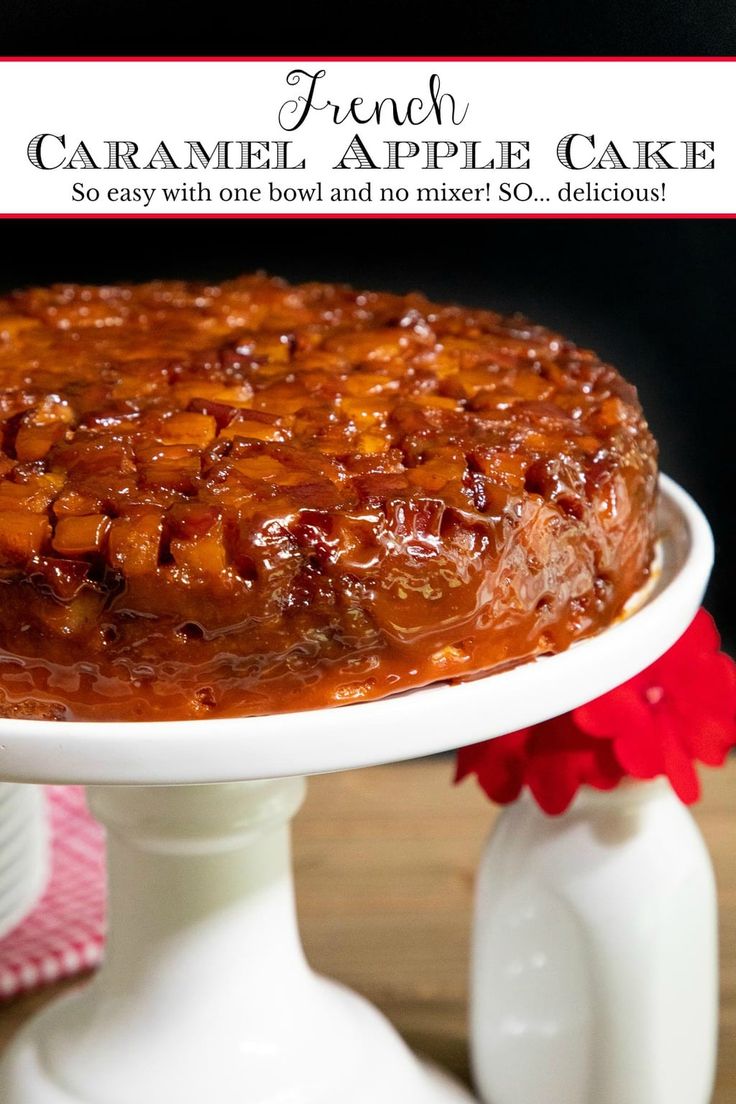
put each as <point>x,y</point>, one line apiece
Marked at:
<point>205,994</point>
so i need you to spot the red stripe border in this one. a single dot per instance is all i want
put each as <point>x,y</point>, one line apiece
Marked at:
<point>387,57</point>
<point>372,215</point>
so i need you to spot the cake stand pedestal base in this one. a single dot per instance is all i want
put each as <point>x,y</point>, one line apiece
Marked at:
<point>205,993</point>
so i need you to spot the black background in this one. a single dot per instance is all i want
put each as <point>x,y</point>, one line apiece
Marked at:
<point>381,27</point>
<point>655,297</point>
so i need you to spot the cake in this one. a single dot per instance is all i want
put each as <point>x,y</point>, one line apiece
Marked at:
<point>249,498</point>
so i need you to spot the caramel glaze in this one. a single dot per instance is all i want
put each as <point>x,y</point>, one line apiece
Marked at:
<point>254,498</point>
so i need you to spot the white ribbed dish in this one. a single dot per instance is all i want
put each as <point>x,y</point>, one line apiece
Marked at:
<point>23,852</point>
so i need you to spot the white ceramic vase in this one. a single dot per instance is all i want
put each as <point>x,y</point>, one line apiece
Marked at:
<point>23,852</point>
<point>595,975</point>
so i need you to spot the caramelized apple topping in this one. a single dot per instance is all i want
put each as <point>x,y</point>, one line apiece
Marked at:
<point>252,497</point>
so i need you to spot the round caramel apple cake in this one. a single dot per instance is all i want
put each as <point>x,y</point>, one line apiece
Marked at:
<point>253,497</point>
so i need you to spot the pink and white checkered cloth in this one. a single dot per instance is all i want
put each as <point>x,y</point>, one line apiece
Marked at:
<point>65,932</point>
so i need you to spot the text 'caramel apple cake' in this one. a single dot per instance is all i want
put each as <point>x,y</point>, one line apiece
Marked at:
<point>253,498</point>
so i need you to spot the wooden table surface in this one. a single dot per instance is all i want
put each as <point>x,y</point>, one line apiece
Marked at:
<point>385,862</point>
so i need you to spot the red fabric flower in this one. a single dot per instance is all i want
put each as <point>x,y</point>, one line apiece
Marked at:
<point>676,713</point>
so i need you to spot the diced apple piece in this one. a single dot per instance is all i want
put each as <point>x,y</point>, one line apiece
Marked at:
<point>189,429</point>
<point>543,442</point>
<point>283,400</point>
<point>173,467</point>
<point>51,481</point>
<point>532,387</point>
<point>158,453</point>
<point>369,383</point>
<point>356,546</point>
<point>588,444</point>
<point>81,536</point>
<point>33,497</point>
<point>337,443</point>
<point>134,387</point>
<point>33,442</point>
<point>181,477</point>
<point>222,413</point>
<point>134,543</point>
<point>468,384</point>
<point>613,412</point>
<point>259,429</point>
<point>371,444</point>
<point>261,467</point>
<point>365,412</point>
<point>274,348</point>
<point>436,402</point>
<point>444,363</point>
<point>488,496</point>
<point>92,456</point>
<point>495,400</point>
<point>51,410</point>
<point>77,616</point>
<point>73,503</point>
<point>317,494</point>
<point>435,472</point>
<point>205,555</point>
<point>369,347</point>
<point>239,394</point>
<point>504,468</point>
<point>197,540</point>
<point>192,520</point>
<point>381,485</point>
<point>22,536</point>
<point>430,477</point>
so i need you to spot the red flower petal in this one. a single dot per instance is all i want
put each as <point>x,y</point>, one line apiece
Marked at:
<point>639,755</point>
<point>621,710</point>
<point>554,780</point>
<point>678,766</point>
<point>679,711</point>
<point>708,739</point>
<point>561,759</point>
<point>701,635</point>
<point>468,760</point>
<point>498,765</point>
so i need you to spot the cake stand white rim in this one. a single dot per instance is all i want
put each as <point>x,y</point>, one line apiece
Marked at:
<point>421,722</point>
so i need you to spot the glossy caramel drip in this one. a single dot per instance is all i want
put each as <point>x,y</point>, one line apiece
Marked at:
<point>252,497</point>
